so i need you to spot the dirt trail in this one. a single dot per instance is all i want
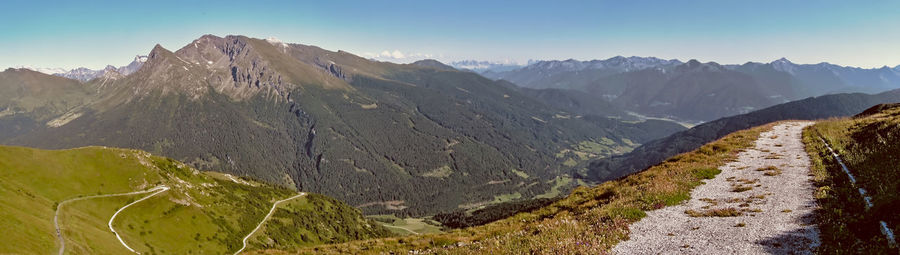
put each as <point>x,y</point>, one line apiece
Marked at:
<point>263,221</point>
<point>158,190</point>
<point>775,206</point>
<point>59,235</point>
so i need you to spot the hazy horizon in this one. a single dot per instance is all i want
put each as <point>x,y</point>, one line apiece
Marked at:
<point>97,34</point>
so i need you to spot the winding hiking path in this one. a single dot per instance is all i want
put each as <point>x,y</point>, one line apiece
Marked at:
<point>775,214</point>
<point>59,236</point>
<point>263,221</point>
<point>159,189</point>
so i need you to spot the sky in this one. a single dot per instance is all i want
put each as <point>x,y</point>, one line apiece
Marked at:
<point>94,34</point>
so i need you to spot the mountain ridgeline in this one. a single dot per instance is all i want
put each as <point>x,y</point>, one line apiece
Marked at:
<point>655,152</point>
<point>388,138</point>
<point>694,91</point>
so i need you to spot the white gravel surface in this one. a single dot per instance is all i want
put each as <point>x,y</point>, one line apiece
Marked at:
<point>778,223</point>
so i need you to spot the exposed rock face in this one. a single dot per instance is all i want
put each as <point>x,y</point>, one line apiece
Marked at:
<point>237,66</point>
<point>333,69</point>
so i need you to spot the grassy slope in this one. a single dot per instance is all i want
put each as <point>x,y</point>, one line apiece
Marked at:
<point>85,226</point>
<point>589,221</point>
<point>407,226</point>
<point>301,222</point>
<point>39,95</point>
<point>202,213</point>
<point>869,147</point>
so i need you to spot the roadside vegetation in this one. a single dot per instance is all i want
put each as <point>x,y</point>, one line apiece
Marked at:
<point>591,220</point>
<point>869,144</point>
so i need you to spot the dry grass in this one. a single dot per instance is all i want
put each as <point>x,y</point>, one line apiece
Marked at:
<point>773,173</point>
<point>869,147</point>
<point>720,212</point>
<point>710,201</point>
<point>741,188</point>
<point>770,170</point>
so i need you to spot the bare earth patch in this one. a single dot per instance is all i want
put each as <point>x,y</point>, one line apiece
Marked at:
<point>751,207</point>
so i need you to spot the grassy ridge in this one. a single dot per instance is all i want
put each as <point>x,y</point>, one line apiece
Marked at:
<point>301,222</point>
<point>588,221</point>
<point>869,146</point>
<point>203,212</point>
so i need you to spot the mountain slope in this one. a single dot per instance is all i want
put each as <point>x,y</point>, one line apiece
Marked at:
<point>868,145</point>
<point>202,212</point>
<point>29,100</point>
<point>369,133</point>
<point>694,91</point>
<point>808,109</point>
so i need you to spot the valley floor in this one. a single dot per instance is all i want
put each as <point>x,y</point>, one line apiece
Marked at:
<point>760,204</point>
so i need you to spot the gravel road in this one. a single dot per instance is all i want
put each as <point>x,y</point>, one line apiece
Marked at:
<point>774,214</point>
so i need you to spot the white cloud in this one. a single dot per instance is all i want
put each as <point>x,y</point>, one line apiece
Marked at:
<point>398,56</point>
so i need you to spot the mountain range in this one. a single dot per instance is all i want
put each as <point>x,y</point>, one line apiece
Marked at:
<point>484,66</point>
<point>693,91</point>
<point>657,151</point>
<point>387,138</point>
<point>84,74</point>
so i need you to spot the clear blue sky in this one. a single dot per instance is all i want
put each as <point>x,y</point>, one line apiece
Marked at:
<point>95,33</point>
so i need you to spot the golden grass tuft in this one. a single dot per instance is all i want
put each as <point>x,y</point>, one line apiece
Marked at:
<point>720,212</point>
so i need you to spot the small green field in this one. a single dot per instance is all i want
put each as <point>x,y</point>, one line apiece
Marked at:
<point>407,226</point>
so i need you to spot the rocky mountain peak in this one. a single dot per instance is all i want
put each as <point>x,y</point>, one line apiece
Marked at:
<point>157,52</point>
<point>784,65</point>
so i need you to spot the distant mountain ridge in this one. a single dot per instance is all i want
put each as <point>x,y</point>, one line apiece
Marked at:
<point>484,66</point>
<point>85,74</point>
<point>830,78</point>
<point>654,152</point>
<point>695,91</point>
<point>545,74</point>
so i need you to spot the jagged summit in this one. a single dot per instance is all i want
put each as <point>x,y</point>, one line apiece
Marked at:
<point>237,66</point>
